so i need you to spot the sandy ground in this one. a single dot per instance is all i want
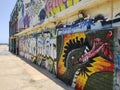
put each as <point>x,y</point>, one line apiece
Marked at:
<point>16,74</point>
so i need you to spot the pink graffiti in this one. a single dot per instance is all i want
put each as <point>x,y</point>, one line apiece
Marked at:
<point>52,4</point>
<point>98,45</point>
<point>92,53</point>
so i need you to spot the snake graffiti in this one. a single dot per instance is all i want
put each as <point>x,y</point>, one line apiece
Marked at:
<point>86,59</point>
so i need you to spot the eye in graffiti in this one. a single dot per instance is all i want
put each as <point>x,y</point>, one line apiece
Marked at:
<point>72,46</point>
<point>73,57</point>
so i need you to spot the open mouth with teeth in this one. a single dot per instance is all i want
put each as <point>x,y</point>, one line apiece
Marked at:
<point>88,55</point>
<point>97,46</point>
<point>84,58</point>
<point>79,59</point>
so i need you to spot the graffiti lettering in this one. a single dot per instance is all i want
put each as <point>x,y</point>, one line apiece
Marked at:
<point>55,6</point>
<point>87,23</point>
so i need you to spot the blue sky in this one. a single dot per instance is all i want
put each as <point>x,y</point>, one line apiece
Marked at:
<point>6,7</point>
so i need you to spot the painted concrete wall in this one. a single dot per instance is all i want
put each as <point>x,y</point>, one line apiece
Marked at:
<point>83,52</point>
<point>47,50</point>
<point>27,46</point>
<point>86,56</point>
<point>34,12</point>
<point>40,48</point>
<point>117,61</point>
<point>29,13</point>
<point>55,6</point>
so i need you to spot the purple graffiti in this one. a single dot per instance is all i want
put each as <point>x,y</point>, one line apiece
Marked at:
<point>26,21</point>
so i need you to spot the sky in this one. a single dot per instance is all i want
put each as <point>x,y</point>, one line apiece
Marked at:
<point>6,7</point>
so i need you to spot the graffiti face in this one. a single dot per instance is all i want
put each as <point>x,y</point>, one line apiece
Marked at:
<point>83,55</point>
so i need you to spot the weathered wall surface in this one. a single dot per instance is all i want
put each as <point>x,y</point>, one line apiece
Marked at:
<point>27,46</point>
<point>82,50</point>
<point>29,13</point>
<point>47,50</point>
<point>117,61</point>
<point>85,59</point>
<point>53,7</point>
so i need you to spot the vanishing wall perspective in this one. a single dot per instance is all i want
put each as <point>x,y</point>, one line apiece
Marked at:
<point>83,50</point>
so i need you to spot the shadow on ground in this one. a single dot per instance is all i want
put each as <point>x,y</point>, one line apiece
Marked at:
<point>48,74</point>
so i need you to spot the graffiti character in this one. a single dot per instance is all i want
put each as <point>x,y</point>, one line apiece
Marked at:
<point>83,56</point>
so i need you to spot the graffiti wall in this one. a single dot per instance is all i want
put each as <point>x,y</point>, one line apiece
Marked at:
<point>88,23</point>
<point>21,46</point>
<point>46,50</point>
<point>80,52</point>
<point>29,13</point>
<point>86,59</point>
<point>34,12</point>
<point>32,46</point>
<point>117,62</point>
<point>55,6</point>
<point>27,46</point>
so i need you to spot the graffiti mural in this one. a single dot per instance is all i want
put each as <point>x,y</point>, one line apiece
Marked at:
<point>32,46</point>
<point>26,20</point>
<point>21,46</point>
<point>23,49</point>
<point>46,53</point>
<point>21,7</point>
<point>27,47</point>
<point>77,26</point>
<point>117,62</point>
<point>35,8</point>
<point>20,24</point>
<point>117,72</point>
<point>53,7</point>
<point>29,13</point>
<point>86,59</point>
<point>86,23</point>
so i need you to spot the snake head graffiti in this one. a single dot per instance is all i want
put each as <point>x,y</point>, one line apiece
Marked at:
<point>81,56</point>
<point>98,45</point>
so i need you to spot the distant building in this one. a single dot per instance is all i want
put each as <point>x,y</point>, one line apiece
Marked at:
<point>77,40</point>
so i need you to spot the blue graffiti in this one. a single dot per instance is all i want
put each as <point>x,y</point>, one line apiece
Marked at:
<point>75,27</point>
<point>118,57</point>
<point>86,23</point>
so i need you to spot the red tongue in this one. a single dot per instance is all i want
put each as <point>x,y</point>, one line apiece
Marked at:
<point>109,34</point>
<point>111,55</point>
<point>106,52</point>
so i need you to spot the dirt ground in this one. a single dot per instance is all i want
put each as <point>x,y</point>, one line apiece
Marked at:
<point>16,74</point>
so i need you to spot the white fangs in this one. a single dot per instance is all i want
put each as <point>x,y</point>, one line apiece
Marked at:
<point>77,72</point>
<point>75,78</point>
<point>87,48</point>
<point>85,51</point>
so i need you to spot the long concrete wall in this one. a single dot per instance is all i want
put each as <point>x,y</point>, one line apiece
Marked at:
<point>82,50</point>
